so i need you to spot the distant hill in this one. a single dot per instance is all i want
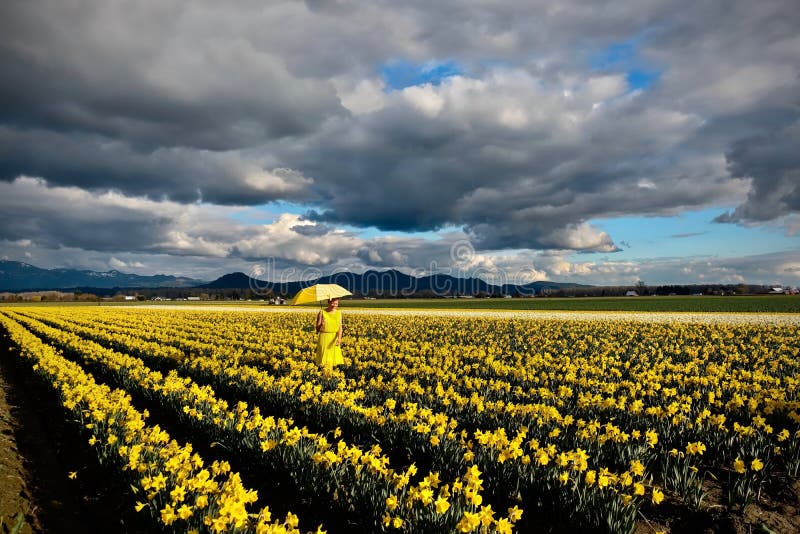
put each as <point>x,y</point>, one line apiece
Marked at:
<point>387,283</point>
<point>236,280</point>
<point>19,276</point>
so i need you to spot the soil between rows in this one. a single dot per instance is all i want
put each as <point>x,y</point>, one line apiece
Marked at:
<point>39,449</point>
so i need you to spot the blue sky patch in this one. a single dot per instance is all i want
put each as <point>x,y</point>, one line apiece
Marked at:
<point>623,56</point>
<point>401,74</point>
<point>642,79</point>
<point>616,55</point>
<point>267,213</point>
<point>692,233</point>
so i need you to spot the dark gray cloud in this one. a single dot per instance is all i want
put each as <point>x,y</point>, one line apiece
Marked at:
<point>313,230</point>
<point>772,162</point>
<point>504,164</point>
<point>160,75</point>
<point>180,174</point>
<point>200,101</point>
<point>150,101</point>
<point>55,217</point>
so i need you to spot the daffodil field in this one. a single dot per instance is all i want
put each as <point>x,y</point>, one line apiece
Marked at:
<point>434,424</point>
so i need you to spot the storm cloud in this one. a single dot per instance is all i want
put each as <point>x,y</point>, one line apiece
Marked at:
<point>549,118</point>
<point>772,162</point>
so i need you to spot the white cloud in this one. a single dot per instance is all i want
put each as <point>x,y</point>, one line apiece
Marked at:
<point>425,98</point>
<point>279,182</point>
<point>583,237</point>
<point>360,96</point>
<point>600,88</point>
<point>281,239</point>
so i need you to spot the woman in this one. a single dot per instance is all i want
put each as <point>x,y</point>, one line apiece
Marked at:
<point>329,327</point>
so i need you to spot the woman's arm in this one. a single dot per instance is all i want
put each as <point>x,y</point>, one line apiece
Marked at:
<point>320,322</point>
<point>341,329</point>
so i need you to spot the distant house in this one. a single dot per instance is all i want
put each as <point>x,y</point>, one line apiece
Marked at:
<point>777,291</point>
<point>631,293</point>
<point>130,297</point>
<point>192,298</point>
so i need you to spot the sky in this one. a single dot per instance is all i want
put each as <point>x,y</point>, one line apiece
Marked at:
<point>596,143</point>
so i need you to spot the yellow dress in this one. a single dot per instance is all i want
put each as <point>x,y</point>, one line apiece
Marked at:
<point>328,353</point>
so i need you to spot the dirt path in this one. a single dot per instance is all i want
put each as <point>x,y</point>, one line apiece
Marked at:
<point>39,449</point>
<point>15,497</point>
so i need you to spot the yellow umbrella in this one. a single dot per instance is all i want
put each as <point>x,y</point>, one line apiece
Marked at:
<point>319,292</point>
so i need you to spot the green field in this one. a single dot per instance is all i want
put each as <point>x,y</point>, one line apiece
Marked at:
<point>756,304</point>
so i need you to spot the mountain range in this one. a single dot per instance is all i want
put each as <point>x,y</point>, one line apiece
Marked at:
<point>387,283</point>
<point>18,276</point>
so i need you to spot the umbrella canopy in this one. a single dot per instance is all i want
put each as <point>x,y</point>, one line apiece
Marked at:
<point>319,292</point>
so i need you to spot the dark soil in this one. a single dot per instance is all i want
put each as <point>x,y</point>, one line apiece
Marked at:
<point>39,449</point>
